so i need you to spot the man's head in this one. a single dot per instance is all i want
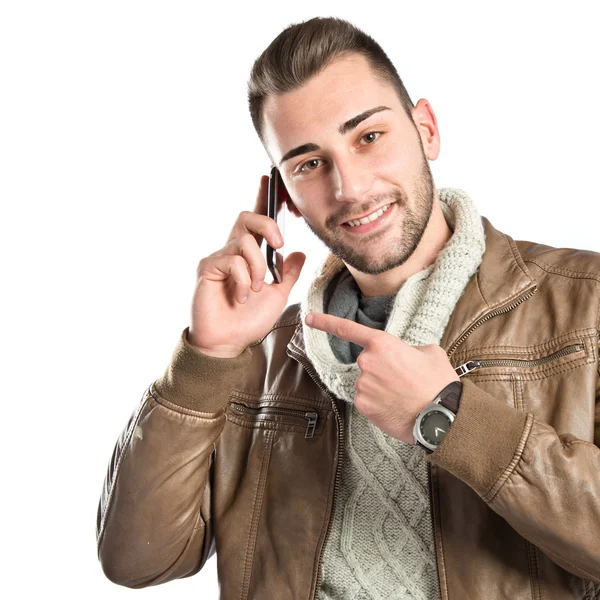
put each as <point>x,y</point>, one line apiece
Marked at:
<point>334,116</point>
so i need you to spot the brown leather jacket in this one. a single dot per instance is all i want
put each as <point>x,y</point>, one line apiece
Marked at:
<point>243,455</point>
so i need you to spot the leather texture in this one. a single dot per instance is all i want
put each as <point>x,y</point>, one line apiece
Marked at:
<point>221,455</point>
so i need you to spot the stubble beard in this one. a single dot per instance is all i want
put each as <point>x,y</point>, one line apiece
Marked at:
<point>402,239</point>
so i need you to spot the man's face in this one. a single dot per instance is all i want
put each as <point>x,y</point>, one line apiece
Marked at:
<point>346,174</point>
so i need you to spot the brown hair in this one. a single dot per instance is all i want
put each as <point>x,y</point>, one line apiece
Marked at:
<point>304,49</point>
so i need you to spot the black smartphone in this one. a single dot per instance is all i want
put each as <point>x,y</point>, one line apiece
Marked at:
<point>276,210</point>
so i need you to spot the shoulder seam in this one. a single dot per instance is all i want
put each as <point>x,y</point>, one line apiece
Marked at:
<point>562,271</point>
<point>287,323</point>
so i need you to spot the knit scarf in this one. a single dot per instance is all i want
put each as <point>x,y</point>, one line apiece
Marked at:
<point>381,539</point>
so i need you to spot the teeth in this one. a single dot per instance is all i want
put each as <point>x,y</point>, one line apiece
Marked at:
<point>369,218</point>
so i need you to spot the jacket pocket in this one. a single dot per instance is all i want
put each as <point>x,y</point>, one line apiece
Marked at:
<point>274,417</point>
<point>553,362</point>
<point>556,382</point>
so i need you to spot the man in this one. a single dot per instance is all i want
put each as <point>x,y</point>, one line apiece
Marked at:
<point>431,433</point>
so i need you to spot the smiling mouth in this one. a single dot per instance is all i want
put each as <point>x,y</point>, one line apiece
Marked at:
<point>376,223</point>
<point>370,217</point>
<point>385,206</point>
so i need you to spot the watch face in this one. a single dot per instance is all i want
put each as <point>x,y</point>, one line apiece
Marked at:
<point>434,426</point>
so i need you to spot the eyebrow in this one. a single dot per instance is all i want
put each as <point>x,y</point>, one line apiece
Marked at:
<point>344,128</point>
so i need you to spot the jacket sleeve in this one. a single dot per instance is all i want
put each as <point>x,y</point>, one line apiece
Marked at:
<point>154,515</point>
<point>545,485</point>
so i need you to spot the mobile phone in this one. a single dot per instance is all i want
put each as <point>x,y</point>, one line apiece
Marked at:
<point>276,210</point>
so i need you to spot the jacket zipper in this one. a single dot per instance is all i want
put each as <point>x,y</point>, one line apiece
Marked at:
<point>311,417</point>
<point>341,434</point>
<point>433,515</point>
<point>489,315</point>
<point>473,365</point>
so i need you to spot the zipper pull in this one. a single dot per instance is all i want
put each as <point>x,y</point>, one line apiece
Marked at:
<point>312,424</point>
<point>467,367</point>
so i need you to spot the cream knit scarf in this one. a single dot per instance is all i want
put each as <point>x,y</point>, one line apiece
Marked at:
<point>381,541</point>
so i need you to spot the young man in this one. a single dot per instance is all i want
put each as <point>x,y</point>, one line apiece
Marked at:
<point>432,433</point>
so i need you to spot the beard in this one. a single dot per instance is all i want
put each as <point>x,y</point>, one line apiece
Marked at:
<point>401,238</point>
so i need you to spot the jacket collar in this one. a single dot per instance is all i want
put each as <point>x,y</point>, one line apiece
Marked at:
<point>502,278</point>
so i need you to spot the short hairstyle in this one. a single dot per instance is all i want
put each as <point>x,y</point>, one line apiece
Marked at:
<point>303,50</point>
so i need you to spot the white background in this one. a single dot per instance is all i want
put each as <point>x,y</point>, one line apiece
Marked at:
<point>126,153</point>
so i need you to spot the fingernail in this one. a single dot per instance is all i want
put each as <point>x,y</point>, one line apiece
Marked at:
<point>278,239</point>
<point>309,319</point>
<point>244,299</point>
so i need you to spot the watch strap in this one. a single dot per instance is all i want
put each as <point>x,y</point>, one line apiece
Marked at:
<point>450,396</point>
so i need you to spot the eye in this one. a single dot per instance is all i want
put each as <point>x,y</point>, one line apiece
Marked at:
<point>308,162</point>
<point>370,137</point>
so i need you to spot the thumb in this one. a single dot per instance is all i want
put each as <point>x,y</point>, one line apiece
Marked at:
<point>292,266</point>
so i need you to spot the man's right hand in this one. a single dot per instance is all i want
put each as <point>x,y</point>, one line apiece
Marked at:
<point>223,325</point>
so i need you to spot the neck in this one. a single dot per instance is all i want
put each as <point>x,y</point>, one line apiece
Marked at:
<point>435,237</point>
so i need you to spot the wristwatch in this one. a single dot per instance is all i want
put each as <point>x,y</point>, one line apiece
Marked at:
<point>434,421</point>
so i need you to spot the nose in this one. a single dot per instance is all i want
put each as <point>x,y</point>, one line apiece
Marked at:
<point>352,179</point>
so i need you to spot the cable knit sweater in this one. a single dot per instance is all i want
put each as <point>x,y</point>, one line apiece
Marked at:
<point>381,542</point>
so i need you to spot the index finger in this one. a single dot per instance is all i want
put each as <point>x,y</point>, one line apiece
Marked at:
<point>262,200</point>
<point>342,328</point>
<point>262,197</point>
<point>257,222</point>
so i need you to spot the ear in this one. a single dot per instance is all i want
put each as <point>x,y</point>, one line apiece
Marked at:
<point>292,207</point>
<point>290,204</point>
<point>426,124</point>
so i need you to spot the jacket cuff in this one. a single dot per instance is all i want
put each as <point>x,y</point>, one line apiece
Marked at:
<point>483,440</point>
<point>199,382</point>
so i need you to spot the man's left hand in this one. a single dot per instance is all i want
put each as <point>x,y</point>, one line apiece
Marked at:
<point>396,380</point>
